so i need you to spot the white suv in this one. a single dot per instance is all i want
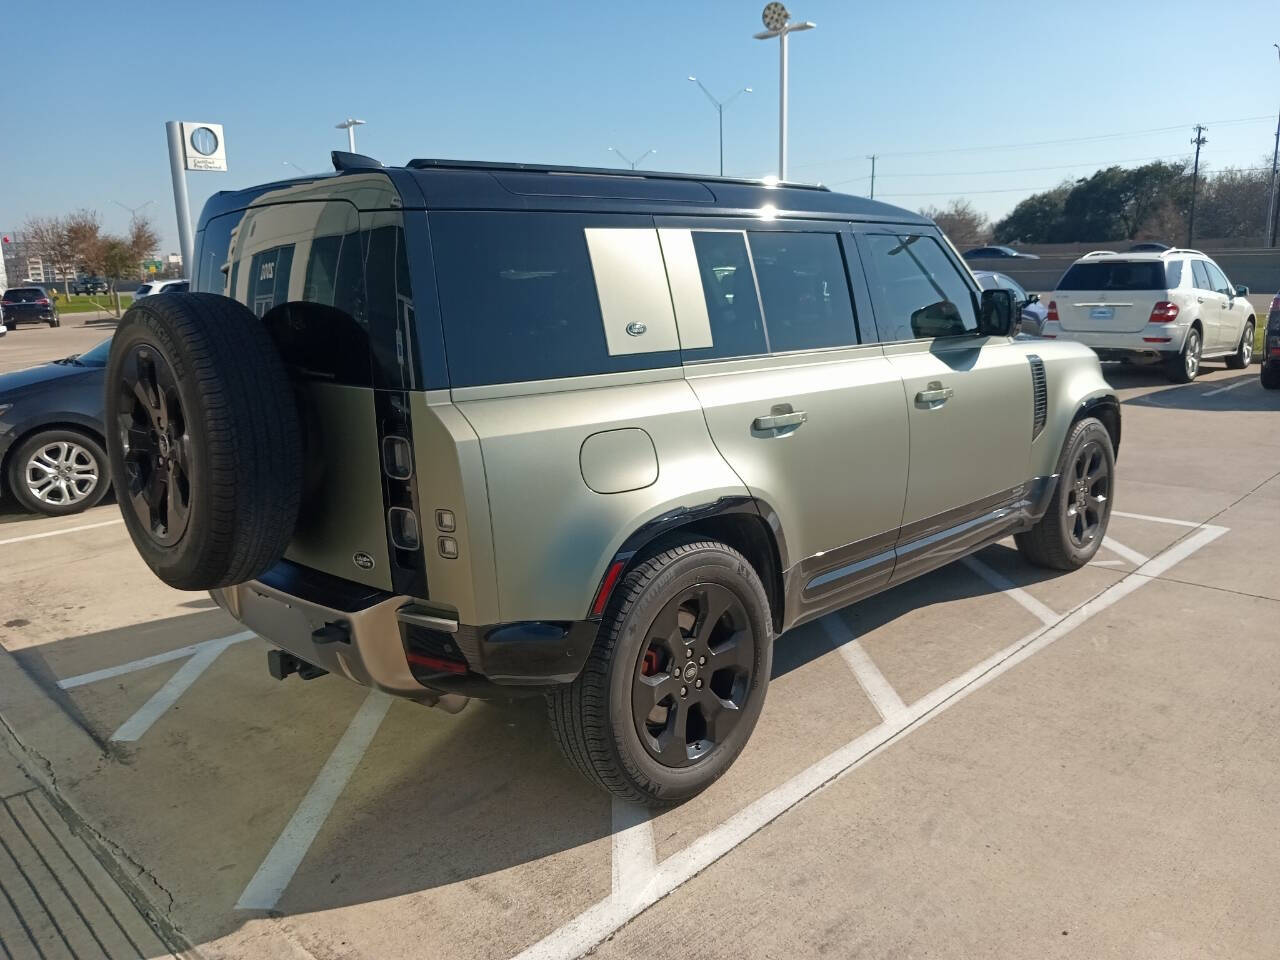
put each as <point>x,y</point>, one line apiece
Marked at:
<point>1174,307</point>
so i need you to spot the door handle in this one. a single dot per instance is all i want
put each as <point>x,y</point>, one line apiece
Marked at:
<point>935,394</point>
<point>779,420</point>
<point>1199,299</point>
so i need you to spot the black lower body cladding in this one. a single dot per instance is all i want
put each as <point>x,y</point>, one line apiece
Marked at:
<point>203,439</point>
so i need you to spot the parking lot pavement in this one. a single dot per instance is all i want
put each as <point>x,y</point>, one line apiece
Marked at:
<point>30,345</point>
<point>991,760</point>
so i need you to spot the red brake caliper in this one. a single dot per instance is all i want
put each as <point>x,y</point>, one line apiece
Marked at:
<point>650,665</point>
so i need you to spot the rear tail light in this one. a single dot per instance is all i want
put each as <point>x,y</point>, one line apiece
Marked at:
<point>1163,312</point>
<point>43,301</point>
<point>1053,311</point>
<point>1275,302</point>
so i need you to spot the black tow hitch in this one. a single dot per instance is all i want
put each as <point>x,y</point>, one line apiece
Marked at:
<point>281,664</point>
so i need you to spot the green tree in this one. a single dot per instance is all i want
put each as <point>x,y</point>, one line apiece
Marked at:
<point>1035,219</point>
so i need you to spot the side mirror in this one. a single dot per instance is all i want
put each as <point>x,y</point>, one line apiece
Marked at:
<point>1033,298</point>
<point>1241,290</point>
<point>998,314</point>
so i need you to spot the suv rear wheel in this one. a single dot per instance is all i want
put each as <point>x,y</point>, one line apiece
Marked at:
<point>1070,532</point>
<point>1244,352</point>
<point>1185,367</point>
<point>677,677</point>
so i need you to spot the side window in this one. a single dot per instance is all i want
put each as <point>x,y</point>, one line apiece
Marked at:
<point>916,290</point>
<point>1008,283</point>
<point>1201,275</point>
<point>519,299</point>
<point>1217,279</point>
<point>804,289</point>
<point>1173,273</point>
<point>209,273</point>
<point>733,308</point>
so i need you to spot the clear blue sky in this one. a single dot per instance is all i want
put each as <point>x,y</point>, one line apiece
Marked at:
<point>562,82</point>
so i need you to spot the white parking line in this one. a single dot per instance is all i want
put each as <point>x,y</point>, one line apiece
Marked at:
<point>1106,563</point>
<point>157,658</point>
<point>1120,550</point>
<point>174,687</point>
<point>1144,516</point>
<point>1230,386</point>
<point>874,683</point>
<point>58,533</point>
<point>602,920</point>
<point>1006,586</point>
<point>268,884</point>
<point>634,854</point>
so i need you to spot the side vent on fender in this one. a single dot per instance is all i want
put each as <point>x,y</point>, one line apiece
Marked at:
<point>1040,404</point>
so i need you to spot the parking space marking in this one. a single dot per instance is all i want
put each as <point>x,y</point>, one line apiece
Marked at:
<point>273,876</point>
<point>141,664</point>
<point>1230,386</point>
<point>174,687</point>
<point>1006,586</point>
<point>585,931</point>
<point>1119,549</point>
<point>634,851</point>
<point>874,683</point>
<point>1144,516</point>
<point>1106,563</point>
<point>58,533</point>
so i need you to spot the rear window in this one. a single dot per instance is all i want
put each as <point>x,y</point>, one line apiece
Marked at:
<point>143,290</point>
<point>1115,275</point>
<point>24,294</point>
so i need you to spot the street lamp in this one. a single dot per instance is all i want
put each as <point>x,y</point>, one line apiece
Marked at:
<point>133,211</point>
<point>777,22</point>
<point>350,125</point>
<point>634,163</point>
<point>720,105</point>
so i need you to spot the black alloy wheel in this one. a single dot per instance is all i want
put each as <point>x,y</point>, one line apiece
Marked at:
<point>156,444</point>
<point>1088,495</point>
<point>693,675</point>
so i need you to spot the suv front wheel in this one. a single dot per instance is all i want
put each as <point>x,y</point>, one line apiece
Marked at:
<point>676,679</point>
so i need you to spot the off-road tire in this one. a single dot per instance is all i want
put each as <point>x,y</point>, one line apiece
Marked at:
<point>592,718</point>
<point>21,456</point>
<point>242,439</point>
<point>1179,368</point>
<point>1244,349</point>
<point>1271,375</point>
<point>1048,543</point>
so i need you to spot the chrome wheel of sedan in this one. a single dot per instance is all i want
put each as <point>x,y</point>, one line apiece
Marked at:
<point>62,473</point>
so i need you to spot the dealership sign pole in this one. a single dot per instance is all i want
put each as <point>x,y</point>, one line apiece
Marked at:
<point>192,146</point>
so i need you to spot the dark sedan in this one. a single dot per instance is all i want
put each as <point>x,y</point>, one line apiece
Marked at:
<point>28,304</point>
<point>997,253</point>
<point>51,434</point>
<point>1033,311</point>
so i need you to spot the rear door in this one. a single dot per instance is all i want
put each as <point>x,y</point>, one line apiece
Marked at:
<point>1230,314</point>
<point>1209,304</point>
<point>968,396</point>
<point>1109,295</point>
<point>810,419</point>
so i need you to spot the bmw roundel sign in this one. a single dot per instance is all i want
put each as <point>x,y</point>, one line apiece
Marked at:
<point>203,147</point>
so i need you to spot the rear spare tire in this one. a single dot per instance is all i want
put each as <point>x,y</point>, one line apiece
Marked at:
<point>203,440</point>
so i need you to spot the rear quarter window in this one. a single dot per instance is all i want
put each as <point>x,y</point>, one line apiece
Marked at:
<point>1114,275</point>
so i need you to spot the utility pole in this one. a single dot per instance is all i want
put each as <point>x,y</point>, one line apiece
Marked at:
<point>872,157</point>
<point>1197,141</point>
<point>1273,209</point>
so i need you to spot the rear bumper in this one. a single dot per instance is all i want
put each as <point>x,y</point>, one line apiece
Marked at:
<point>1152,344</point>
<point>396,645</point>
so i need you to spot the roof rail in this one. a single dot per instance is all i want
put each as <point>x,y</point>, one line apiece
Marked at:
<point>1195,253</point>
<point>353,161</point>
<point>435,164</point>
<point>1098,253</point>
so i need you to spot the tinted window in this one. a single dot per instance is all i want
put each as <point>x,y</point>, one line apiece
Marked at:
<point>916,289</point>
<point>143,290</point>
<point>518,298</point>
<point>1114,275</point>
<point>804,289</point>
<point>24,294</point>
<point>986,281</point>
<point>212,244</point>
<point>1010,284</point>
<point>733,308</point>
<point>1200,275</point>
<point>177,287</point>
<point>1217,279</point>
<point>1173,274</point>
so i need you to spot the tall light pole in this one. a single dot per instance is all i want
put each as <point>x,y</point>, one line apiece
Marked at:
<point>350,125</point>
<point>720,105</point>
<point>634,163</point>
<point>133,211</point>
<point>1273,208</point>
<point>777,22</point>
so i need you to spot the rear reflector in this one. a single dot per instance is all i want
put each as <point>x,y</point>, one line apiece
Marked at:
<point>606,587</point>
<point>435,663</point>
<point>1156,339</point>
<point>1163,312</point>
<point>1053,311</point>
<point>43,302</point>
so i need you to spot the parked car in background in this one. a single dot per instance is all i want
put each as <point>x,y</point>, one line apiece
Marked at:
<point>1033,312</point>
<point>1271,347</point>
<point>52,459</point>
<point>1149,247</point>
<point>90,285</point>
<point>161,286</point>
<point>997,253</point>
<point>1174,308</point>
<point>28,304</point>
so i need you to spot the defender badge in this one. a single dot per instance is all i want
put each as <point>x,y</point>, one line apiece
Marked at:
<point>362,560</point>
<point>636,328</point>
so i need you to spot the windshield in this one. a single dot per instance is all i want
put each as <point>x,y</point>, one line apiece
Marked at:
<point>97,357</point>
<point>144,289</point>
<point>1115,275</point>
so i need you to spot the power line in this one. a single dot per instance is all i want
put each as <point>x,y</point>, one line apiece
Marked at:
<point>965,193</point>
<point>991,148</point>
<point>982,173</point>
